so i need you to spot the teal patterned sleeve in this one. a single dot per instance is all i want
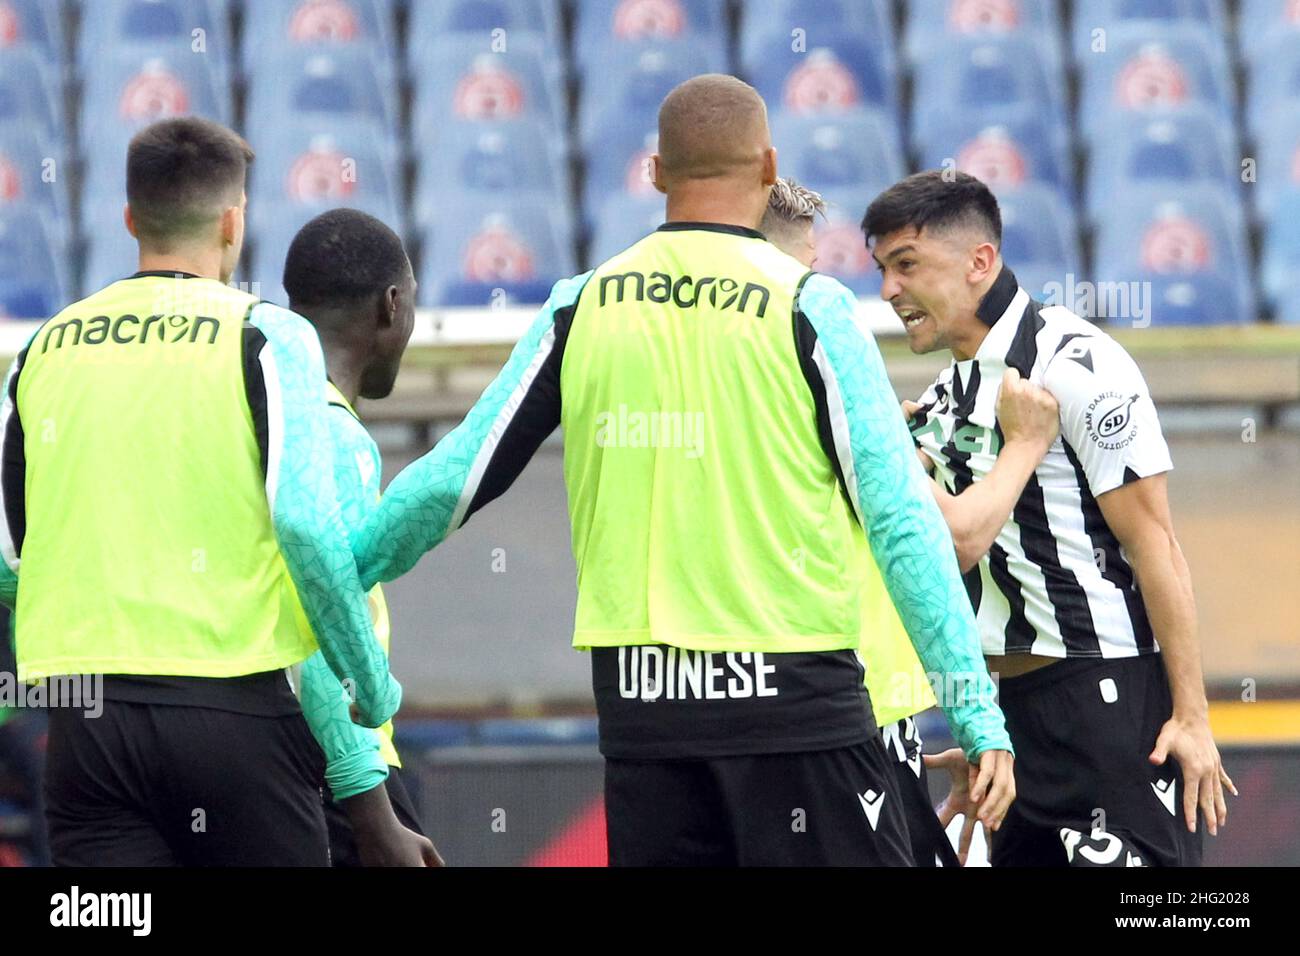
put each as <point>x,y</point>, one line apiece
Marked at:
<point>353,763</point>
<point>11,437</point>
<point>909,539</point>
<point>480,457</point>
<point>305,510</point>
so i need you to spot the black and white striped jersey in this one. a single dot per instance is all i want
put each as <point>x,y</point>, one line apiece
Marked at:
<point>1056,581</point>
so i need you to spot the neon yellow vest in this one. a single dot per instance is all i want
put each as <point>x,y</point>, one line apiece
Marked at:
<point>705,512</point>
<point>149,547</point>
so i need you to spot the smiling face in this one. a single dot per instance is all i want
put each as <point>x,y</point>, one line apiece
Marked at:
<point>934,279</point>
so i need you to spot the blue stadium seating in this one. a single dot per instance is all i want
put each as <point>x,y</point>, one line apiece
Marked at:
<point>1288,305</point>
<point>28,92</point>
<point>988,80</point>
<point>1260,21</point>
<point>616,165</point>
<point>326,84</point>
<point>839,150</point>
<point>124,92</point>
<point>476,156</point>
<point>1145,16</point>
<point>634,78</point>
<point>33,171</point>
<point>32,264</point>
<point>1199,299</point>
<point>437,17</point>
<point>522,247</point>
<point>1280,258</point>
<point>1174,230</point>
<point>1187,144</point>
<point>602,24</point>
<point>32,23</point>
<point>622,221</point>
<point>1274,87</point>
<point>298,165</point>
<point>1144,68</point>
<point>1039,231</point>
<point>1278,172</point>
<point>928,21</point>
<point>273,28</point>
<point>460,80</point>
<point>1027,149</point>
<point>841,248</point>
<point>820,22</point>
<point>138,27</point>
<point>837,74</point>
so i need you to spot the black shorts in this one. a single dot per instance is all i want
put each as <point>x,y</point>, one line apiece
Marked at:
<point>930,844</point>
<point>164,785</point>
<point>1086,794</point>
<point>343,844</point>
<point>837,807</point>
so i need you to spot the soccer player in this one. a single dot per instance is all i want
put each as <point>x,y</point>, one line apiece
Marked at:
<point>348,275</point>
<point>170,522</point>
<point>895,680</point>
<point>729,436</point>
<point>1082,595</point>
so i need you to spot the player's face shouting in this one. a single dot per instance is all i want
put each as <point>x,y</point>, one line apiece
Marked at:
<point>924,277</point>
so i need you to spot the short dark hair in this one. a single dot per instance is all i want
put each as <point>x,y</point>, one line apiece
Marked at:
<point>180,173</point>
<point>342,257</point>
<point>935,199</point>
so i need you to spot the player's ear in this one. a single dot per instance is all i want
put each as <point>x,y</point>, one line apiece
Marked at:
<point>983,261</point>
<point>232,225</point>
<point>129,220</point>
<point>769,166</point>
<point>388,305</point>
<point>657,174</point>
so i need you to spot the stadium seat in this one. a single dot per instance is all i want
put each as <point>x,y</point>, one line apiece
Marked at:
<point>437,17</point>
<point>467,81</point>
<point>1278,172</point>
<point>989,80</point>
<point>1149,16</point>
<point>1202,299</point>
<point>1174,230</point>
<point>32,170</point>
<point>841,248</point>
<point>299,166</point>
<point>814,23</point>
<point>1287,310</point>
<point>138,27</point>
<point>1187,144</point>
<point>504,157</point>
<point>602,24</point>
<point>124,93</point>
<point>838,151</point>
<point>621,222</point>
<point>1273,91</point>
<point>272,29</point>
<point>1016,152</point>
<point>1039,231</point>
<point>634,79</point>
<point>1280,256</point>
<point>1259,22</point>
<point>35,24</point>
<point>479,246</point>
<point>617,164</point>
<point>1144,69</point>
<point>930,20</point>
<point>325,84</point>
<point>33,255</point>
<point>28,92</point>
<point>838,74</point>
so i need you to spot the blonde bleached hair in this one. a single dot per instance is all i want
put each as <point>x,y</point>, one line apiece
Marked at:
<point>791,204</point>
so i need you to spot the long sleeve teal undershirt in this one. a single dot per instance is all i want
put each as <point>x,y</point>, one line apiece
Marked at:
<point>353,761</point>
<point>909,539</point>
<point>305,512</point>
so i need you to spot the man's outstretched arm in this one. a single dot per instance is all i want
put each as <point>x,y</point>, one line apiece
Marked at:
<point>481,457</point>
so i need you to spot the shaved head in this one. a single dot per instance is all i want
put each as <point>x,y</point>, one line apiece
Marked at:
<point>710,127</point>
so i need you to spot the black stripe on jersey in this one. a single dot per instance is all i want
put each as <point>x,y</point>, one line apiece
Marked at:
<point>1023,352</point>
<point>1018,634</point>
<point>536,417</point>
<point>963,400</point>
<point>255,389</point>
<point>805,341</point>
<point>13,471</point>
<point>1113,567</point>
<point>1068,597</point>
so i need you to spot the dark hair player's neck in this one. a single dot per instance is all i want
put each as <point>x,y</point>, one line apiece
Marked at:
<point>205,263</point>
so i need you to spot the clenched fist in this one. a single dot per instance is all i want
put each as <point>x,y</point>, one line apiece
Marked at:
<point>1026,412</point>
